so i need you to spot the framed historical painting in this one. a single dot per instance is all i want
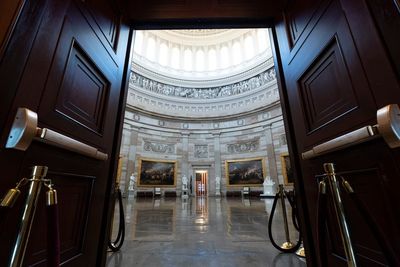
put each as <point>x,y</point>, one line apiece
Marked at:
<point>245,172</point>
<point>287,171</point>
<point>157,172</point>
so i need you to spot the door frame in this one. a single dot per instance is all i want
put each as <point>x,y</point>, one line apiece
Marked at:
<point>206,181</point>
<point>295,161</point>
<point>110,195</point>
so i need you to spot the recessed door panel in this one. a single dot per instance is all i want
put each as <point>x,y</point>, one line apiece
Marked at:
<point>72,76</point>
<point>331,88</point>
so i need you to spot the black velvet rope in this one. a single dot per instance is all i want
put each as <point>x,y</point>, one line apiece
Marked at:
<point>291,198</point>
<point>119,240</point>
<point>271,217</point>
<point>321,223</point>
<point>53,236</point>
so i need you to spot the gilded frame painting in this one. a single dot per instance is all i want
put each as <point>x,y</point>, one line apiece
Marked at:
<point>160,173</point>
<point>287,171</point>
<point>245,172</point>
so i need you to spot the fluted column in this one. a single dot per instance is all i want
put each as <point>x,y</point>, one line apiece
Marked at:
<point>157,49</point>
<point>169,59</point>
<point>230,52</point>
<point>218,53</point>
<point>144,45</point>
<point>255,42</point>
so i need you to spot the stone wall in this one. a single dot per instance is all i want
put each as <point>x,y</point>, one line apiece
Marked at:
<point>203,145</point>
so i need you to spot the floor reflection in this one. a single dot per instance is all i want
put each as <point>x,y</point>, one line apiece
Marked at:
<point>200,232</point>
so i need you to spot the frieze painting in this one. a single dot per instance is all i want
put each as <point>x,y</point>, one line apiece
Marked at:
<point>157,172</point>
<point>245,172</point>
<point>287,171</point>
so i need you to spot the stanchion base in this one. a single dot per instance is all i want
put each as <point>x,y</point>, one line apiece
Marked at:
<point>301,252</point>
<point>287,245</point>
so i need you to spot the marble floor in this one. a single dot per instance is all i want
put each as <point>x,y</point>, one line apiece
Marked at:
<point>201,232</point>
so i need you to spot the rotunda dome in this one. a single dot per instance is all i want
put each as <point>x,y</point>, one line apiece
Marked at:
<point>202,73</point>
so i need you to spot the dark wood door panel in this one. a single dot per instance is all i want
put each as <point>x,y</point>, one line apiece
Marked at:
<point>372,171</point>
<point>74,196</point>
<point>298,15</point>
<point>326,88</point>
<point>60,65</point>
<point>76,180</point>
<point>336,76</point>
<point>31,47</point>
<point>83,94</point>
<point>387,18</point>
<point>327,82</point>
<point>79,98</point>
<point>377,65</point>
<point>108,20</point>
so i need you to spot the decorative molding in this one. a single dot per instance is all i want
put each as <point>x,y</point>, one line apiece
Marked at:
<point>282,140</point>
<point>203,93</point>
<point>264,98</point>
<point>159,147</point>
<point>141,66</point>
<point>136,117</point>
<point>201,151</point>
<point>243,147</point>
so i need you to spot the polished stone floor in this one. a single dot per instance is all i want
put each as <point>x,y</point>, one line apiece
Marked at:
<point>201,232</point>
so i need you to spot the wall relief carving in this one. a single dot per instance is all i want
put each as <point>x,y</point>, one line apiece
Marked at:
<point>242,147</point>
<point>159,147</point>
<point>201,151</point>
<point>204,93</point>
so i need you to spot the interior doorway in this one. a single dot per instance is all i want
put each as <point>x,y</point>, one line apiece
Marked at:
<point>201,183</point>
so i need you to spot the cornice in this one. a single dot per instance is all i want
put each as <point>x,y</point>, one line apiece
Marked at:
<point>166,75</point>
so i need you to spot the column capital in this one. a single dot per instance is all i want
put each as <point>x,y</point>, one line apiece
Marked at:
<point>267,126</point>
<point>215,133</point>
<point>185,133</point>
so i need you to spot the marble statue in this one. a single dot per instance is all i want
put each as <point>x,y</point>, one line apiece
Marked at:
<point>184,183</point>
<point>268,185</point>
<point>132,182</point>
<point>217,186</point>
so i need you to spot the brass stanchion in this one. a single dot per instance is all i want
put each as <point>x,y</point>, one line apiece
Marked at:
<point>301,252</point>
<point>35,184</point>
<point>340,215</point>
<point>288,244</point>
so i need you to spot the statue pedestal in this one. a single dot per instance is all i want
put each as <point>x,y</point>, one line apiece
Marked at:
<point>269,191</point>
<point>269,188</point>
<point>185,191</point>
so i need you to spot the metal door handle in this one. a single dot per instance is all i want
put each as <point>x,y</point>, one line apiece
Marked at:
<point>24,130</point>
<point>388,119</point>
<point>388,127</point>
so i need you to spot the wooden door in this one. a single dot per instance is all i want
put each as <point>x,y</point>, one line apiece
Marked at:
<point>65,61</point>
<point>336,73</point>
